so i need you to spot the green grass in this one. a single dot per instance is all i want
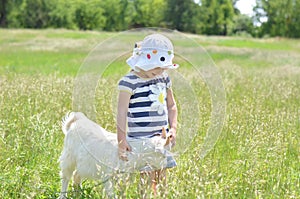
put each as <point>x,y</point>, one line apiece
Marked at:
<point>250,43</point>
<point>256,156</point>
<point>46,51</point>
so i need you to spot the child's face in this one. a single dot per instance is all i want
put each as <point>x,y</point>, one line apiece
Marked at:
<point>152,73</point>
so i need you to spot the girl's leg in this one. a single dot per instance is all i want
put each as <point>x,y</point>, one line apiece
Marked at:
<point>162,178</point>
<point>154,176</point>
<point>145,182</point>
<point>148,182</point>
<point>159,183</point>
<point>156,180</point>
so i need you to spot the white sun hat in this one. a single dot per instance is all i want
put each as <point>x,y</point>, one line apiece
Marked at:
<point>154,51</point>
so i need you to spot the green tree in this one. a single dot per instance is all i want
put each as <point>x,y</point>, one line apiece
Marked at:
<point>117,14</point>
<point>89,14</point>
<point>295,21</point>
<point>282,17</point>
<point>219,16</point>
<point>227,7</point>
<point>242,24</point>
<point>61,14</point>
<point>181,15</point>
<point>147,13</point>
<point>35,13</point>
<point>3,13</point>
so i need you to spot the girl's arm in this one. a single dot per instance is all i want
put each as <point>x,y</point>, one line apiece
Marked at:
<point>123,103</point>
<point>172,113</point>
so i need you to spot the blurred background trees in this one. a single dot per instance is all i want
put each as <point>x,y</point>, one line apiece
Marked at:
<point>209,17</point>
<point>283,17</point>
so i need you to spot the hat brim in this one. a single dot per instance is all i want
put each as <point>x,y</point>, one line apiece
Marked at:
<point>173,66</point>
<point>132,62</point>
<point>141,63</point>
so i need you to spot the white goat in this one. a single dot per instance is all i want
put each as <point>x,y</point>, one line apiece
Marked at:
<point>92,152</point>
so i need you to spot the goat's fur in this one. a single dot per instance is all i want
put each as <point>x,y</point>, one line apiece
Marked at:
<point>92,152</point>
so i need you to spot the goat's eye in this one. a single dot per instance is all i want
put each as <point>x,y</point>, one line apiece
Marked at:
<point>162,59</point>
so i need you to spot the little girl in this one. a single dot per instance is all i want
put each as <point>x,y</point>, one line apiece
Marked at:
<point>146,103</point>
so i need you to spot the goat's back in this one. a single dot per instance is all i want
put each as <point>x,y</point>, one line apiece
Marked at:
<point>92,148</point>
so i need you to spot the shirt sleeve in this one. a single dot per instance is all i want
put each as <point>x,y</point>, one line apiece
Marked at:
<point>125,85</point>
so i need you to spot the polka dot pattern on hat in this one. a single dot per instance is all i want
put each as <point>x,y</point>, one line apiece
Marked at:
<point>154,51</point>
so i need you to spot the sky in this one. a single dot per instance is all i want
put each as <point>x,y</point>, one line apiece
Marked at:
<point>246,6</point>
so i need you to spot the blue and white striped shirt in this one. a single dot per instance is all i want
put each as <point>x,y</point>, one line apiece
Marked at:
<point>147,110</point>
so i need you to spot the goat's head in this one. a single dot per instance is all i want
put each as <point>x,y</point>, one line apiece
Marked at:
<point>166,138</point>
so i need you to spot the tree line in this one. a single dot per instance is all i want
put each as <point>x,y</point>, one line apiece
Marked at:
<point>209,17</point>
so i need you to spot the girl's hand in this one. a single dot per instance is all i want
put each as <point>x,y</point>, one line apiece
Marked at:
<point>123,148</point>
<point>172,133</point>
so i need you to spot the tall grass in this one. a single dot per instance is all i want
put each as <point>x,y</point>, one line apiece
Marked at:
<point>256,156</point>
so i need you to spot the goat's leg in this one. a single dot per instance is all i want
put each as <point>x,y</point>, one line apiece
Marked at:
<point>76,183</point>
<point>109,189</point>
<point>67,168</point>
<point>65,179</point>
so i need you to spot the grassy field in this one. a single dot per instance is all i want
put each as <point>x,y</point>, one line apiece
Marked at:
<point>256,156</point>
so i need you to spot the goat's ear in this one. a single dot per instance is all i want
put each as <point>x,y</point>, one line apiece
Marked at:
<point>164,133</point>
